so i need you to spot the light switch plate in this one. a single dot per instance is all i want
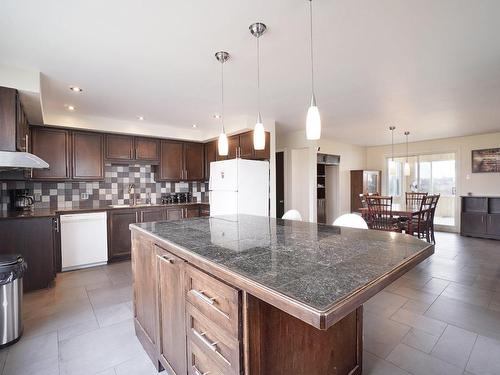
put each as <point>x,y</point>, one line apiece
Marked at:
<point>84,196</point>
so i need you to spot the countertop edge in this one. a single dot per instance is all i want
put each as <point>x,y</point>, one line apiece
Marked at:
<point>320,319</point>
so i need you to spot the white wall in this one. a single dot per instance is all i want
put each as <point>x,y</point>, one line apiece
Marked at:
<point>351,157</point>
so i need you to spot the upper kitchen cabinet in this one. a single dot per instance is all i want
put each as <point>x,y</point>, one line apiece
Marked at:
<point>125,149</point>
<point>13,122</point>
<point>181,161</point>
<point>88,156</point>
<point>119,147</point>
<point>53,146</point>
<point>210,156</point>
<point>147,149</point>
<point>241,146</point>
<point>193,162</point>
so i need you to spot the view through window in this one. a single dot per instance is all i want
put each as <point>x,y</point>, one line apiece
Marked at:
<point>433,174</point>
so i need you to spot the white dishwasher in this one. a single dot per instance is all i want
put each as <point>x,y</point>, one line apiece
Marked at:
<point>84,240</point>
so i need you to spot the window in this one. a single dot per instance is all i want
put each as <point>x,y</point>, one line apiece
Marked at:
<point>395,178</point>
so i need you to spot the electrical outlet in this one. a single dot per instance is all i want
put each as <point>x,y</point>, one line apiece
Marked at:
<point>37,197</point>
<point>84,196</point>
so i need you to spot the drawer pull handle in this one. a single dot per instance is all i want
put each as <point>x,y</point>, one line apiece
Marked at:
<point>201,336</point>
<point>211,345</point>
<point>166,259</point>
<point>208,300</point>
<point>198,372</point>
<point>203,297</point>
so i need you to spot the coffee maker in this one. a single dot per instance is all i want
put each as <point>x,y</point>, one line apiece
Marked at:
<point>21,200</point>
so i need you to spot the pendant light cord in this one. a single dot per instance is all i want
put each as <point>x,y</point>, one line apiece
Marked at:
<point>407,148</point>
<point>258,76</point>
<point>311,36</point>
<point>222,96</point>
<point>392,143</point>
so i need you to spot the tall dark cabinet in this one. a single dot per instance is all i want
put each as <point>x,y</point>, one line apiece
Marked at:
<point>363,182</point>
<point>480,217</point>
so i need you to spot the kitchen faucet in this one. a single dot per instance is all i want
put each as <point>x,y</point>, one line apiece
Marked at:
<point>131,192</point>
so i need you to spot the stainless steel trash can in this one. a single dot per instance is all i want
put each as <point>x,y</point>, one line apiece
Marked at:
<point>12,268</point>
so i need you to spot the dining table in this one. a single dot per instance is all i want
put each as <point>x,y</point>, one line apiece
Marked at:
<point>401,210</point>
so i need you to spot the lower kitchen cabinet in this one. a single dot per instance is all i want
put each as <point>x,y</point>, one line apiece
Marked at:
<point>171,314</point>
<point>119,243</point>
<point>34,239</point>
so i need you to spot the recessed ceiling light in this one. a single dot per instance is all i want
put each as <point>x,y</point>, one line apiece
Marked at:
<point>217,116</point>
<point>70,107</point>
<point>141,118</point>
<point>75,89</point>
<point>195,126</point>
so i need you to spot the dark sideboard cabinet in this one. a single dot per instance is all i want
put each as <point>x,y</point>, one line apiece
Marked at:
<point>480,217</point>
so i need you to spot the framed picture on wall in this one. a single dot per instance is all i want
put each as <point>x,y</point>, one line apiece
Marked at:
<point>486,161</point>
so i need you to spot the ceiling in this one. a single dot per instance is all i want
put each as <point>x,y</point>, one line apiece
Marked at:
<point>427,66</point>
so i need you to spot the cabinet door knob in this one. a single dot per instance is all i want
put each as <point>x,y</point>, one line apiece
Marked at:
<point>165,258</point>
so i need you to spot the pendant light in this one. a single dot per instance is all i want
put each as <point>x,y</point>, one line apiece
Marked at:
<point>407,170</point>
<point>222,144</point>
<point>392,164</point>
<point>259,134</point>
<point>313,120</point>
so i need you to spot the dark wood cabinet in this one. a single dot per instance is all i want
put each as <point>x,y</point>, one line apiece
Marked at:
<point>34,239</point>
<point>192,212</point>
<point>181,161</point>
<point>152,214</point>
<point>53,146</point>
<point>363,182</point>
<point>241,145</point>
<point>171,311</point>
<point>147,149</point>
<point>119,243</point>
<point>246,150</point>
<point>480,217</point>
<point>193,162</point>
<point>233,147</point>
<point>145,290</point>
<point>125,149</point>
<point>13,121</point>
<point>88,156</point>
<point>175,213</point>
<point>171,161</point>
<point>119,147</point>
<point>210,156</point>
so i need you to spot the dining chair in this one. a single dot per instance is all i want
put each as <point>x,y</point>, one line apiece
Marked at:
<point>433,212</point>
<point>414,199</point>
<point>292,215</point>
<point>380,214</point>
<point>424,226</point>
<point>350,221</point>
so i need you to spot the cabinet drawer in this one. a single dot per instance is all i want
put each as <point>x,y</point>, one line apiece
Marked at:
<point>221,348</point>
<point>217,301</point>
<point>199,363</point>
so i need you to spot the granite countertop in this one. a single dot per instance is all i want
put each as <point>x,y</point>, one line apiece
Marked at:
<point>45,212</point>
<point>316,265</point>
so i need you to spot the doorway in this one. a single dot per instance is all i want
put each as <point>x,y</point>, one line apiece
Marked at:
<point>280,184</point>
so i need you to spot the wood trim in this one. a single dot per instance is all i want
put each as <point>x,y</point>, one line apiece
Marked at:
<point>321,319</point>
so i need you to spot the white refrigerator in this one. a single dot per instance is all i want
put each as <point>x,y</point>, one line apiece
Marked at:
<point>239,186</point>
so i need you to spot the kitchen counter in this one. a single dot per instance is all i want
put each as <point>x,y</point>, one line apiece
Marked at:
<point>317,274</point>
<point>45,212</point>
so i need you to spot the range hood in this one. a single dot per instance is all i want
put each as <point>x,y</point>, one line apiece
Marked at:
<point>15,160</point>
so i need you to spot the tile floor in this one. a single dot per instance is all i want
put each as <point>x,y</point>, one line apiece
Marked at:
<point>443,317</point>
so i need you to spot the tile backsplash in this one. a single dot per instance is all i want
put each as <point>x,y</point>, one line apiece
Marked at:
<point>113,190</point>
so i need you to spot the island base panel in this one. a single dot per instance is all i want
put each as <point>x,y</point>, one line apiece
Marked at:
<point>278,343</point>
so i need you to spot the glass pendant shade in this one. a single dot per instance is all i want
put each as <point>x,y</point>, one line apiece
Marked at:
<point>392,168</point>
<point>222,144</point>
<point>259,135</point>
<point>407,170</point>
<point>313,122</point>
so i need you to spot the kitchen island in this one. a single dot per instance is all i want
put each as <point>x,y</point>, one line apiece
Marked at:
<point>257,295</point>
